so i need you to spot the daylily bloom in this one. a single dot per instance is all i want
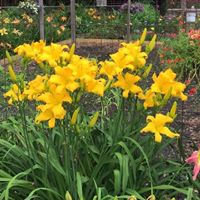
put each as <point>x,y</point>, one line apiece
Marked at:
<point>130,56</point>
<point>157,126</point>
<point>6,20</point>
<point>63,18</point>
<point>195,158</point>
<point>35,87</point>
<point>3,31</point>
<point>53,108</point>
<point>64,79</point>
<point>17,32</point>
<point>95,86</point>
<point>127,83</point>
<point>149,99</point>
<point>108,68</point>
<point>15,94</point>
<point>49,18</point>
<point>165,82</point>
<point>16,21</point>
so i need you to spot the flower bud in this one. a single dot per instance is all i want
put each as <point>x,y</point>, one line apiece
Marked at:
<point>151,197</point>
<point>12,73</point>
<point>75,116</point>
<point>151,45</point>
<point>166,97</point>
<point>94,119</point>
<point>172,112</point>
<point>143,36</point>
<point>68,196</point>
<point>147,71</point>
<point>9,58</point>
<point>71,52</point>
<point>132,198</point>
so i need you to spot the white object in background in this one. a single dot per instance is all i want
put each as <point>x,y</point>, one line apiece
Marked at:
<point>101,2</point>
<point>191,15</point>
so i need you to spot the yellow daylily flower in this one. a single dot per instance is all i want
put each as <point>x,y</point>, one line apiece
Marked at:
<point>3,31</point>
<point>96,86</point>
<point>15,94</point>
<point>149,99</point>
<point>64,79</point>
<point>52,54</point>
<point>36,87</point>
<point>129,57</point>
<point>165,82</point>
<point>157,126</point>
<point>127,84</point>
<point>52,109</point>
<point>109,69</point>
<point>83,69</point>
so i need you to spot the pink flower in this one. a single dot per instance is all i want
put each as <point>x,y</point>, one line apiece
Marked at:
<point>187,82</point>
<point>195,158</point>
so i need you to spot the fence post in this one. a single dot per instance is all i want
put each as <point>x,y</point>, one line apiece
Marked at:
<point>41,19</point>
<point>129,21</point>
<point>73,21</point>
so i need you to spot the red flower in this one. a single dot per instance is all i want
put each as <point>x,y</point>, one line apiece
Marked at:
<point>192,91</point>
<point>187,82</point>
<point>169,61</point>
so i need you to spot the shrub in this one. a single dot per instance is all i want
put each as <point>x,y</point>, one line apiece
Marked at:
<point>182,55</point>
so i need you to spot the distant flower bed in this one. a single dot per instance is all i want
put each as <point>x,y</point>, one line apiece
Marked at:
<point>90,23</point>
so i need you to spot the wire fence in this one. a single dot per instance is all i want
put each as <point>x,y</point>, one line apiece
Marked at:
<point>73,20</point>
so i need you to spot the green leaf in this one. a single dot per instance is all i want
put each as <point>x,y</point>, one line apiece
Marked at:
<point>79,186</point>
<point>117,181</point>
<point>190,194</point>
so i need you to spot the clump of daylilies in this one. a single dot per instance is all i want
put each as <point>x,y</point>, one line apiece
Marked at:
<point>67,77</point>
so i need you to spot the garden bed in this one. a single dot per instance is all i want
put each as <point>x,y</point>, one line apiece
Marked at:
<point>188,121</point>
<point>101,135</point>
